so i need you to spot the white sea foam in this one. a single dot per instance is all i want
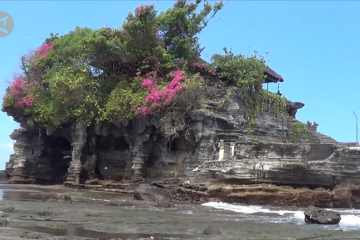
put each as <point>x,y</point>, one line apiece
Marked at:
<point>187,212</point>
<point>96,199</point>
<point>346,211</point>
<point>247,209</point>
<point>350,218</point>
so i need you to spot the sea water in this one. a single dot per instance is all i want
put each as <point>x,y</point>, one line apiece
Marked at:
<point>350,218</point>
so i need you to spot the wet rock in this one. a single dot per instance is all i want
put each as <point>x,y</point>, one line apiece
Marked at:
<point>316,215</point>
<point>125,203</point>
<point>3,176</point>
<point>342,197</point>
<point>9,210</point>
<point>164,204</point>
<point>260,194</point>
<point>63,198</point>
<point>131,203</point>
<point>3,222</point>
<point>112,204</point>
<point>212,231</point>
<point>159,184</point>
<point>151,193</point>
<point>51,200</point>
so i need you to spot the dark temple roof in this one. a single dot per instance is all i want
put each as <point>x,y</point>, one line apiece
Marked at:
<point>272,76</point>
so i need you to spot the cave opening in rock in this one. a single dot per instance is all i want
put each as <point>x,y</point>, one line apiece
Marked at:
<point>98,174</point>
<point>58,152</point>
<point>174,145</point>
<point>179,144</point>
<point>110,142</point>
<point>159,148</point>
<point>224,124</point>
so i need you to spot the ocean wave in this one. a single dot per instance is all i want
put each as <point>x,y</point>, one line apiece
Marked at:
<point>247,209</point>
<point>350,218</point>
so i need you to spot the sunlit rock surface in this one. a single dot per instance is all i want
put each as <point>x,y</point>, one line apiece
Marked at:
<point>216,152</point>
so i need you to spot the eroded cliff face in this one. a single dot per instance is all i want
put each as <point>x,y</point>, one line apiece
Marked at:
<point>310,165</point>
<point>216,148</point>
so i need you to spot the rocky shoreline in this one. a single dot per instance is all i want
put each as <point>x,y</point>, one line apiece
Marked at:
<point>183,191</point>
<point>256,194</point>
<point>31,212</point>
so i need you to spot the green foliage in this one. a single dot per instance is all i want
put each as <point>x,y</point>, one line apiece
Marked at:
<point>247,75</point>
<point>81,98</point>
<point>99,75</point>
<point>47,111</point>
<point>96,75</point>
<point>181,24</point>
<point>299,129</point>
<point>125,97</point>
<point>8,100</point>
<point>93,75</point>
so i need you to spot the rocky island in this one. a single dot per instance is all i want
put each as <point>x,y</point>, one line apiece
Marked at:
<point>136,110</point>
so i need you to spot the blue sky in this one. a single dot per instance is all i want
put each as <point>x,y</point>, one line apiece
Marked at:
<point>314,45</point>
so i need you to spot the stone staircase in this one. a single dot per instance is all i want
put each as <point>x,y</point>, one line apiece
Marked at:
<point>324,139</point>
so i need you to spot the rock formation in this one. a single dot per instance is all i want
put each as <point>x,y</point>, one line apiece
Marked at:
<point>320,216</point>
<point>216,150</point>
<point>212,231</point>
<point>119,115</point>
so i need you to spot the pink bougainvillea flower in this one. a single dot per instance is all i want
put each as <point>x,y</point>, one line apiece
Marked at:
<point>165,96</point>
<point>15,92</point>
<point>43,51</point>
<point>26,101</point>
<point>146,111</point>
<point>147,83</point>
<point>17,86</point>
<point>147,59</point>
<point>159,97</point>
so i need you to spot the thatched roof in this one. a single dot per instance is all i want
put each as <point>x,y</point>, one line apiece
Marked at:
<point>272,76</point>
